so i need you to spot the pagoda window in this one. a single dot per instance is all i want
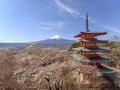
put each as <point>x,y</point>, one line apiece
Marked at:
<point>83,36</point>
<point>83,44</point>
<point>81,53</point>
<point>90,44</point>
<point>90,54</point>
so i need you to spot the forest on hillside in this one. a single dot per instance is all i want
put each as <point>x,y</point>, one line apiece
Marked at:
<point>43,68</point>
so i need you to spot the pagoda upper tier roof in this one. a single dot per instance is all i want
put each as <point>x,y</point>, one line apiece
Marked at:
<point>97,41</point>
<point>89,32</point>
<point>91,49</point>
<point>81,58</point>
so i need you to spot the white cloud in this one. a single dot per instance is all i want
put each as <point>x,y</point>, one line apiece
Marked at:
<point>114,29</point>
<point>51,25</point>
<point>46,25</point>
<point>72,11</point>
<point>45,28</point>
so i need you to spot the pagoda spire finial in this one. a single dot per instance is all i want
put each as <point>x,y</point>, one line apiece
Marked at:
<point>87,22</point>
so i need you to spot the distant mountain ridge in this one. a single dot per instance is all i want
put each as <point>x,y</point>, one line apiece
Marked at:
<point>44,43</point>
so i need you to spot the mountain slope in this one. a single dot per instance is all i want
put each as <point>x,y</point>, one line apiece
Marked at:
<point>59,43</point>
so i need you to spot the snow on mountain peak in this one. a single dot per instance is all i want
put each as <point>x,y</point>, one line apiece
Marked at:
<point>56,37</point>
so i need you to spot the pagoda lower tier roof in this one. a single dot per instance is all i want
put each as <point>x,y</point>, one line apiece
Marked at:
<point>95,41</point>
<point>101,69</point>
<point>90,49</point>
<point>105,70</point>
<point>82,58</point>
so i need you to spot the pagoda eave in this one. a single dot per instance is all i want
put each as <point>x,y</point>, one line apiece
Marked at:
<point>81,58</point>
<point>105,70</point>
<point>78,36</point>
<point>93,33</point>
<point>94,41</point>
<point>101,69</point>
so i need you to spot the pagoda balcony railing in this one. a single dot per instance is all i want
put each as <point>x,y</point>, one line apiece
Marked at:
<point>90,46</point>
<point>89,38</point>
<point>90,55</point>
<point>93,64</point>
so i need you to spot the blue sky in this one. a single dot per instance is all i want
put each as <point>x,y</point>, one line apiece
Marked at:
<point>34,20</point>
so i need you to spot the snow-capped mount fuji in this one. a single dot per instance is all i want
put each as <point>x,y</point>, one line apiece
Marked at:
<point>56,39</point>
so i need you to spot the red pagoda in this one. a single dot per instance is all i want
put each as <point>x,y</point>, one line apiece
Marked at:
<point>88,51</point>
